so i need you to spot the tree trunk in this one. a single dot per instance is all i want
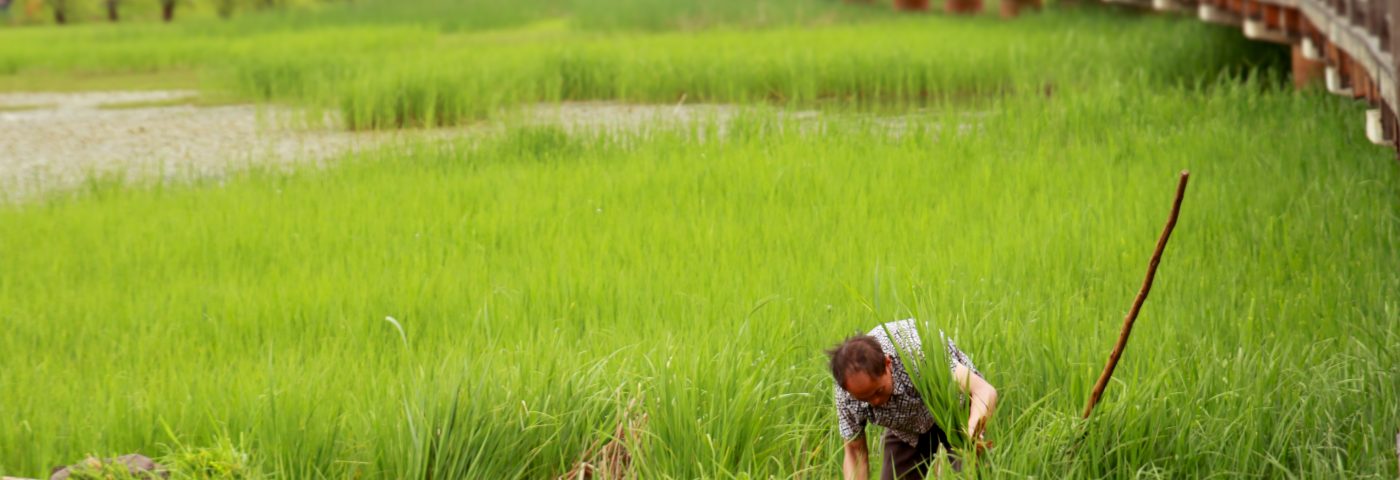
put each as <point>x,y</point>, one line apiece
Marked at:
<point>225,8</point>
<point>112,10</point>
<point>60,11</point>
<point>1013,8</point>
<point>167,10</point>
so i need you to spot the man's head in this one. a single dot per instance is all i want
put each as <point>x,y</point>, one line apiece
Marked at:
<point>861,368</point>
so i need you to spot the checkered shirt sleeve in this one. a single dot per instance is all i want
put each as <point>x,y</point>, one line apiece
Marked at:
<point>850,415</point>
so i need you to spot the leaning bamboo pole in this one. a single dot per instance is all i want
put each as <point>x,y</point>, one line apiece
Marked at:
<point>1141,297</point>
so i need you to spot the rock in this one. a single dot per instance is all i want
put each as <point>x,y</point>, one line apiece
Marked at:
<point>138,465</point>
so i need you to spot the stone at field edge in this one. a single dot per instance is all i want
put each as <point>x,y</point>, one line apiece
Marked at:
<point>138,465</point>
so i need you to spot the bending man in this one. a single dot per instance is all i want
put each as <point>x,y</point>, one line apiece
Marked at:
<point>873,386</point>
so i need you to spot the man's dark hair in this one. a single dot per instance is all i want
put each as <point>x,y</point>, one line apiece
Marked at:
<point>859,353</point>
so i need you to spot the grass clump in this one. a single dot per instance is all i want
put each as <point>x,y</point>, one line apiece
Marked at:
<point>222,461</point>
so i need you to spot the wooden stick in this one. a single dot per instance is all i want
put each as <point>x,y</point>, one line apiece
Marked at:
<point>1141,297</point>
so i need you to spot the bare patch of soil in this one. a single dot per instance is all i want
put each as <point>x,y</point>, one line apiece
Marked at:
<point>53,142</point>
<point>68,138</point>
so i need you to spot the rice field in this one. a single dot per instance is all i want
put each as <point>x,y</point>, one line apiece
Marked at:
<point>494,304</point>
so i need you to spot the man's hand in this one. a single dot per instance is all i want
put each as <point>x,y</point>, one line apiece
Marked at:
<point>857,463</point>
<point>983,397</point>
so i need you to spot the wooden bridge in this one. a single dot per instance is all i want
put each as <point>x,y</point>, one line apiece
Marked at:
<point>1347,44</point>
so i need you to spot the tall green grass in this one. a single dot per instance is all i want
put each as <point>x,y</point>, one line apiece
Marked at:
<point>487,308</point>
<point>543,280</point>
<point>397,75</point>
<point>896,65</point>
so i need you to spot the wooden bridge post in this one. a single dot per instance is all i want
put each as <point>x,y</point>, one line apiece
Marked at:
<point>911,5</point>
<point>1306,72</point>
<point>1012,8</point>
<point>1391,93</point>
<point>963,7</point>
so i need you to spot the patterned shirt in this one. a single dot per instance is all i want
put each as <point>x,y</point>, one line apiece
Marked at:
<point>905,414</point>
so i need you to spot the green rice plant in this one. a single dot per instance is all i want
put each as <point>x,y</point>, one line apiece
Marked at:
<point>543,279</point>
<point>401,74</point>
<point>941,394</point>
<point>223,461</point>
<point>831,67</point>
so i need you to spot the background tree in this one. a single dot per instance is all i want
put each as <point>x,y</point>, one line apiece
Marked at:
<point>167,10</point>
<point>60,11</point>
<point>225,8</point>
<point>112,9</point>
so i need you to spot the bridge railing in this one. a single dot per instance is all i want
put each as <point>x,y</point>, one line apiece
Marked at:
<point>1348,44</point>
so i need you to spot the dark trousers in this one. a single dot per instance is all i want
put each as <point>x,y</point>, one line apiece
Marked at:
<point>912,462</point>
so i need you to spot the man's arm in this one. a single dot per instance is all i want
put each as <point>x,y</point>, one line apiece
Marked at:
<point>983,397</point>
<point>857,463</point>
